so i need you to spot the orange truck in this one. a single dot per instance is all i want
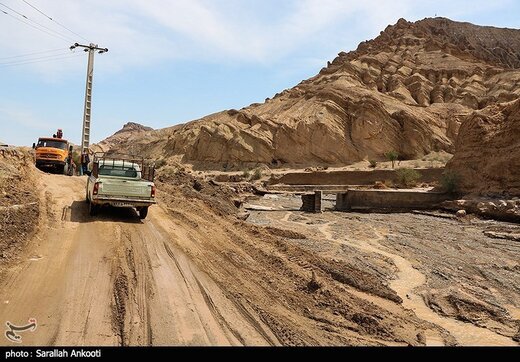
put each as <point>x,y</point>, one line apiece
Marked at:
<point>53,153</point>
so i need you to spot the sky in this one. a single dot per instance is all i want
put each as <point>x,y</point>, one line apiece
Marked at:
<point>173,61</point>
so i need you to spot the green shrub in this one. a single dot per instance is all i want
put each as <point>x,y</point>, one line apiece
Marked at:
<point>373,163</point>
<point>450,182</point>
<point>407,177</point>
<point>246,174</point>
<point>392,156</point>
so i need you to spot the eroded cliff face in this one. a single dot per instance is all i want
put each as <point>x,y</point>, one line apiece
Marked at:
<point>487,160</point>
<point>407,90</point>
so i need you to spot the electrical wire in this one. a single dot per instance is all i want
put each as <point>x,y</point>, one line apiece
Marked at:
<point>37,23</point>
<point>33,53</point>
<point>37,58</point>
<point>35,27</point>
<point>41,61</point>
<point>53,20</point>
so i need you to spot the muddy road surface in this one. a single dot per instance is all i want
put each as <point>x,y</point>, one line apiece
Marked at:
<point>192,273</point>
<point>115,280</point>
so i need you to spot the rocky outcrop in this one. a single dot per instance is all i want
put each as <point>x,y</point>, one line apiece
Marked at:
<point>487,160</point>
<point>407,90</point>
<point>119,140</point>
<point>133,127</point>
<point>507,210</point>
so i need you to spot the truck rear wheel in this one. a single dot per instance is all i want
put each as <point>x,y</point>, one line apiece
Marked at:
<point>92,209</point>
<point>143,212</point>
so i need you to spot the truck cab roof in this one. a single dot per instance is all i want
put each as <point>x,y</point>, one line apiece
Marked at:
<point>52,139</point>
<point>120,164</point>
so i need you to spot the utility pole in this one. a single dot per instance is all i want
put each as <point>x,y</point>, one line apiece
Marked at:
<point>87,111</point>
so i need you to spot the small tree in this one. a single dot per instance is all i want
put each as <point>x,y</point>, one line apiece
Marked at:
<point>450,182</point>
<point>373,163</point>
<point>246,174</point>
<point>392,156</point>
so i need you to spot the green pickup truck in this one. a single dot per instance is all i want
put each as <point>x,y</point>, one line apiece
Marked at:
<point>120,181</point>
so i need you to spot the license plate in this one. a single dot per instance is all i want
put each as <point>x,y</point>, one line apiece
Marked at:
<point>121,204</point>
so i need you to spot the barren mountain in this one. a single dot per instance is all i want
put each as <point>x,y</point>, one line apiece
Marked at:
<point>488,151</point>
<point>407,90</point>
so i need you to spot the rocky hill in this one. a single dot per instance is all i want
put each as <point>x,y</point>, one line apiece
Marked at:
<point>407,90</point>
<point>118,141</point>
<point>487,160</point>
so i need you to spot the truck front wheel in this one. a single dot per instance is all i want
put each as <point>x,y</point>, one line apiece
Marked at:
<point>143,212</point>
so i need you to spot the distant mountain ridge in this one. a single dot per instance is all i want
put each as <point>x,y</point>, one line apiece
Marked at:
<point>408,90</point>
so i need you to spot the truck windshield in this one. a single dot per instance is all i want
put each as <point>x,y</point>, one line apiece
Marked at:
<point>109,170</point>
<point>52,144</point>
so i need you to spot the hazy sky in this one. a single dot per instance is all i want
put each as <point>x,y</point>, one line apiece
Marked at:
<point>172,61</point>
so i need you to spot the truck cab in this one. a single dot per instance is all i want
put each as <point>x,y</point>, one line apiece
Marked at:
<point>120,181</point>
<point>52,153</point>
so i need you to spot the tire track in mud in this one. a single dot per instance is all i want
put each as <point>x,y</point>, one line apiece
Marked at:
<point>158,292</point>
<point>240,324</point>
<point>119,309</point>
<point>131,290</point>
<point>216,313</point>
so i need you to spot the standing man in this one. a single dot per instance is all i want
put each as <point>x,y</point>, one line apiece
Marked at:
<point>85,160</point>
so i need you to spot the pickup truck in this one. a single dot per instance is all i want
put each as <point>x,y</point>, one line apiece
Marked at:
<point>120,182</point>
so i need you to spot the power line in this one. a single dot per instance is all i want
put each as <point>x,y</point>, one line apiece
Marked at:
<point>54,34</point>
<point>34,53</point>
<point>14,11</point>
<point>55,21</point>
<point>37,23</point>
<point>41,61</point>
<point>37,58</point>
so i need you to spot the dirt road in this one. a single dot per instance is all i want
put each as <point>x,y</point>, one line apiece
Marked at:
<point>115,280</point>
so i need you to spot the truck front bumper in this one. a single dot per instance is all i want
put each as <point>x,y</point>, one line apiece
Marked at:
<point>49,163</point>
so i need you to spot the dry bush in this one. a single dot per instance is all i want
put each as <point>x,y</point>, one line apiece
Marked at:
<point>407,177</point>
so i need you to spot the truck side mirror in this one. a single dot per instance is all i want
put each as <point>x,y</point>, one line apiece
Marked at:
<point>34,146</point>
